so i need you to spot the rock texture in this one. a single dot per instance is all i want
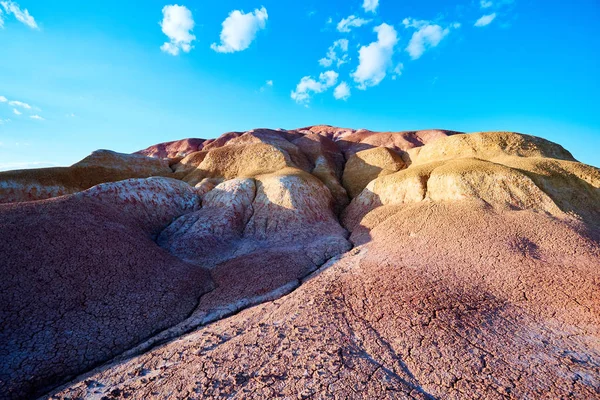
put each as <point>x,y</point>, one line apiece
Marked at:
<point>320,262</point>
<point>99,167</point>
<point>82,279</point>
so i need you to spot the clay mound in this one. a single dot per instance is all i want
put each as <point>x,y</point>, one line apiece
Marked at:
<point>330,132</point>
<point>526,173</point>
<point>574,187</point>
<point>488,146</point>
<point>496,185</point>
<point>82,282</point>
<point>351,141</point>
<point>189,163</point>
<point>174,149</point>
<point>205,236</point>
<point>287,209</point>
<point>99,167</point>
<point>473,273</point>
<point>328,163</point>
<point>364,166</point>
<point>249,155</point>
<point>154,202</point>
<point>397,141</point>
<point>506,310</point>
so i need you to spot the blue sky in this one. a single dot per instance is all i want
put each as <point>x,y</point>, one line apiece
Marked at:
<point>105,75</point>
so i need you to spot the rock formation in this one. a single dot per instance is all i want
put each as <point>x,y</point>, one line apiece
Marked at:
<point>317,262</point>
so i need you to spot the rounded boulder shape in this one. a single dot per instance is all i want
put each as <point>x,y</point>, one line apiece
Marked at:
<point>364,166</point>
<point>488,146</point>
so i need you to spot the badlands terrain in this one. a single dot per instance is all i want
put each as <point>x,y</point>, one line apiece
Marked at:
<point>312,263</point>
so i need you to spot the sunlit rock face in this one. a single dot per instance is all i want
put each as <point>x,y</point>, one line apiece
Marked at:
<point>316,262</point>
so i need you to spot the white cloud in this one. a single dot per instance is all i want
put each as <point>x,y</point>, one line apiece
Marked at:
<point>267,84</point>
<point>177,24</point>
<point>342,91</point>
<point>19,104</point>
<point>485,3</point>
<point>427,35</point>
<point>485,20</point>
<point>351,22</point>
<point>3,99</point>
<point>21,15</point>
<point>370,5</point>
<point>307,85</point>
<point>329,20</point>
<point>333,56</point>
<point>70,115</point>
<point>1,20</point>
<point>37,117</point>
<point>16,112</point>
<point>376,58</point>
<point>397,71</point>
<point>239,30</point>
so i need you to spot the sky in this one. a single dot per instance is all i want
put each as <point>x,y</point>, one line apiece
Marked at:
<point>76,76</point>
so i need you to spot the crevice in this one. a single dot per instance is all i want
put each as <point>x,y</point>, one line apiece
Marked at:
<point>216,315</point>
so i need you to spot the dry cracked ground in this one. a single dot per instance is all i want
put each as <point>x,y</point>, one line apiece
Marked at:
<point>312,263</point>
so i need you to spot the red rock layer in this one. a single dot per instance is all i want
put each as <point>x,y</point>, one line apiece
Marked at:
<point>82,281</point>
<point>439,300</point>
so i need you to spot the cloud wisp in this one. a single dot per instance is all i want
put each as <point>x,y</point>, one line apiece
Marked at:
<point>337,52</point>
<point>376,58</point>
<point>177,24</point>
<point>23,16</point>
<point>485,20</point>
<point>240,29</point>
<point>346,24</point>
<point>16,103</point>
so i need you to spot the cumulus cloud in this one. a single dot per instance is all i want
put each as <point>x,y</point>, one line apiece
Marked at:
<point>370,5</point>
<point>485,3</point>
<point>177,24</point>
<point>333,56</point>
<point>10,7</point>
<point>376,58</point>
<point>485,20</point>
<point>342,91</point>
<point>3,99</point>
<point>308,85</point>
<point>36,117</point>
<point>16,103</point>
<point>239,30</point>
<point>16,112</point>
<point>428,35</point>
<point>352,21</point>
<point>269,83</point>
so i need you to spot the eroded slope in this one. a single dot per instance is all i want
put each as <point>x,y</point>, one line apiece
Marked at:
<point>475,269</point>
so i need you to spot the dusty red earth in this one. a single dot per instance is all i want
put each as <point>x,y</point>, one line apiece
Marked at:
<point>320,262</point>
